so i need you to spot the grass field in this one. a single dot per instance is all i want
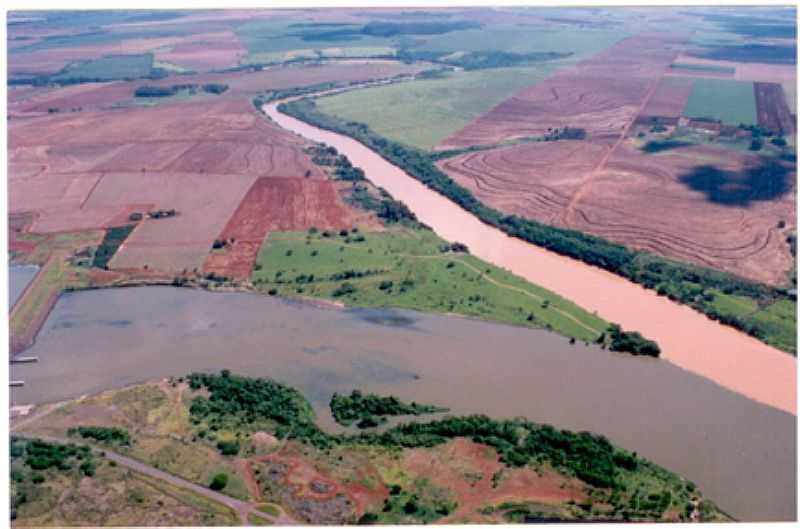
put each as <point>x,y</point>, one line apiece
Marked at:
<point>422,113</point>
<point>271,38</point>
<point>520,39</point>
<point>406,268</point>
<point>109,68</point>
<point>776,320</point>
<point>731,102</point>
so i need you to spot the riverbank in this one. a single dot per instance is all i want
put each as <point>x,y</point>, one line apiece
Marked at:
<point>687,338</point>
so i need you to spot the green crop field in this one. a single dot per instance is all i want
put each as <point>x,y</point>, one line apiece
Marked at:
<point>109,68</point>
<point>403,267</point>
<point>424,112</point>
<point>521,39</point>
<point>732,102</point>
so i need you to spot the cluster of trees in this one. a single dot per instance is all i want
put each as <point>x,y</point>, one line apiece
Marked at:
<point>371,410</point>
<point>167,91</point>
<point>455,247</point>
<point>631,342</point>
<point>215,88</point>
<point>112,240</point>
<point>677,280</point>
<point>244,402</point>
<point>345,289</point>
<point>30,459</point>
<point>102,434</point>
<point>41,455</point>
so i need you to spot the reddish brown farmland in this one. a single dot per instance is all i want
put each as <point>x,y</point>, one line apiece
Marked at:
<point>601,95</point>
<point>94,168</point>
<point>669,99</point>
<point>83,170</point>
<point>276,204</point>
<point>700,204</point>
<point>773,112</point>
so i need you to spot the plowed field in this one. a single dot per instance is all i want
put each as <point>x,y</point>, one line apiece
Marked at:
<point>276,204</point>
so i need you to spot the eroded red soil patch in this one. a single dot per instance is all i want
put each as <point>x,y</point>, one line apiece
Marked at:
<point>467,469</point>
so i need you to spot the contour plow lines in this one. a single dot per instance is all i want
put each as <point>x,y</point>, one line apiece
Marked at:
<point>674,241</point>
<point>601,165</point>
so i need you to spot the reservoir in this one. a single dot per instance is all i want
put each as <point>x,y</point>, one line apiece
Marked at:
<point>739,452</point>
<point>19,277</point>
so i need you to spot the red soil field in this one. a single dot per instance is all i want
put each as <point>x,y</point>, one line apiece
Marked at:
<point>640,200</point>
<point>534,179</point>
<point>448,466</point>
<point>276,204</point>
<point>773,112</point>
<point>601,95</point>
<point>93,168</point>
<point>669,99</point>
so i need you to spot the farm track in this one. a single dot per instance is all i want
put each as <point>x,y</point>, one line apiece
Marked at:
<point>586,182</point>
<point>243,509</point>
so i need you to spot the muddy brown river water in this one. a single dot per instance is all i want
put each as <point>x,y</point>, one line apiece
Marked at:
<point>739,452</point>
<point>687,338</point>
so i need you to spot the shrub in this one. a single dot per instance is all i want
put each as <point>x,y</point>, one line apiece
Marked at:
<point>219,482</point>
<point>228,448</point>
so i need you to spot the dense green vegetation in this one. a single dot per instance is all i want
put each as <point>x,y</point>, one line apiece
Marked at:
<point>112,240</point>
<point>688,284</point>
<point>634,487</point>
<point>631,342</point>
<point>371,410</point>
<point>732,102</point>
<point>215,88</point>
<point>411,268</point>
<point>246,402</point>
<point>34,462</point>
<point>172,90</point>
<point>102,434</point>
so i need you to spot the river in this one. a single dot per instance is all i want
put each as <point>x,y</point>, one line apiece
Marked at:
<point>740,453</point>
<point>687,338</point>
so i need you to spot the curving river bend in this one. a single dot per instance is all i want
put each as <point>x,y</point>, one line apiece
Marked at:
<point>687,338</point>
